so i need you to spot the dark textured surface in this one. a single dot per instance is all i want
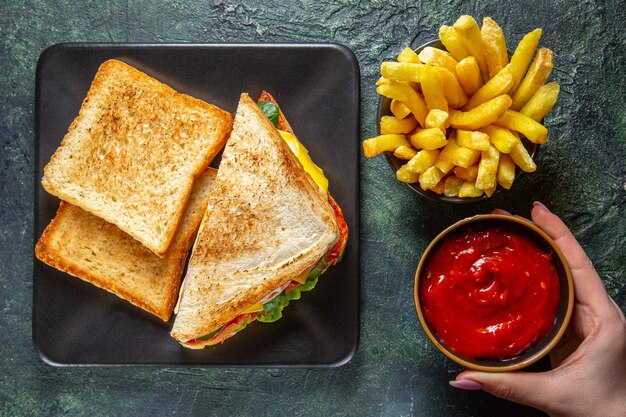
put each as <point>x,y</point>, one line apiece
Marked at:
<point>396,371</point>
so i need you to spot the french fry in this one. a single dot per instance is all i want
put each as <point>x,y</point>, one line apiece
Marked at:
<point>430,178</point>
<point>444,160</point>
<point>452,42</point>
<point>404,152</point>
<point>407,95</point>
<point>438,58</point>
<point>423,160</point>
<point>468,189</point>
<point>399,109</point>
<point>470,37</point>
<point>381,81</point>
<point>464,157</point>
<point>404,174</point>
<point>401,71</point>
<point>523,55</point>
<point>439,119</point>
<point>391,124</point>
<point>408,55</point>
<point>506,171</point>
<point>468,73</point>
<point>432,89</point>
<point>502,138</point>
<point>494,46</point>
<point>533,130</point>
<point>522,158</point>
<point>481,115</point>
<point>473,139</point>
<point>541,102</point>
<point>536,76</point>
<point>415,86</point>
<point>451,186</point>
<point>452,89</point>
<point>383,143</point>
<point>439,187</point>
<point>498,85</point>
<point>468,174</point>
<point>488,169</point>
<point>428,139</point>
<point>489,191</point>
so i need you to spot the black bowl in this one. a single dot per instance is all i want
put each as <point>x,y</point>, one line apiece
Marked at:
<point>395,163</point>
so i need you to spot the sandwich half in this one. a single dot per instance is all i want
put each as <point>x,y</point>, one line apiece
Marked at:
<point>269,231</point>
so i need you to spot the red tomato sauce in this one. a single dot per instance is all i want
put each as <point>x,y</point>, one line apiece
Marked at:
<point>489,292</point>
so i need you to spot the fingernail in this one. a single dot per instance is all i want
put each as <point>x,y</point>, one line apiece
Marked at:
<point>467,384</point>
<point>500,211</point>
<point>540,205</point>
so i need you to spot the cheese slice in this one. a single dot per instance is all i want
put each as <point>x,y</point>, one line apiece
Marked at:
<point>253,308</point>
<point>303,276</point>
<point>307,163</point>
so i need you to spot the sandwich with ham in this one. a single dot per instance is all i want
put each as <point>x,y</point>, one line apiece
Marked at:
<point>271,228</point>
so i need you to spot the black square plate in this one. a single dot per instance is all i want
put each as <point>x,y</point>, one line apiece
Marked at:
<point>317,85</point>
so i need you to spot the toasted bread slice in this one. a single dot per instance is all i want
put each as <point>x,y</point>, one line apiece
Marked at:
<point>133,152</point>
<point>266,222</point>
<point>83,245</point>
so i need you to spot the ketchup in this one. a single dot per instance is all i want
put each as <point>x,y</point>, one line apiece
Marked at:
<point>489,292</point>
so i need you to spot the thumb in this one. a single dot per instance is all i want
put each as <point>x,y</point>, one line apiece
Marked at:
<point>533,389</point>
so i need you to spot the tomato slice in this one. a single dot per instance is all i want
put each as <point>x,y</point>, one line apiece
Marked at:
<point>337,250</point>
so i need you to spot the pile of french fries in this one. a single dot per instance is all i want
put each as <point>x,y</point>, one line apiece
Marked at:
<point>458,116</point>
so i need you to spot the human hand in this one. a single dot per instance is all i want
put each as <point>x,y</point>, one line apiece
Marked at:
<point>589,364</point>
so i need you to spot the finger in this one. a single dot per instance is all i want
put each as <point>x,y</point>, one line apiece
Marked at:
<point>587,284</point>
<point>533,389</point>
<point>558,231</point>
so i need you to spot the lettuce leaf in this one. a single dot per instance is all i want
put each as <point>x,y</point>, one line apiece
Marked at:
<point>210,335</point>
<point>273,310</point>
<point>271,111</point>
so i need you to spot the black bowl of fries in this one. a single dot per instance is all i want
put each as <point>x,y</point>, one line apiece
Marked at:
<point>460,126</point>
